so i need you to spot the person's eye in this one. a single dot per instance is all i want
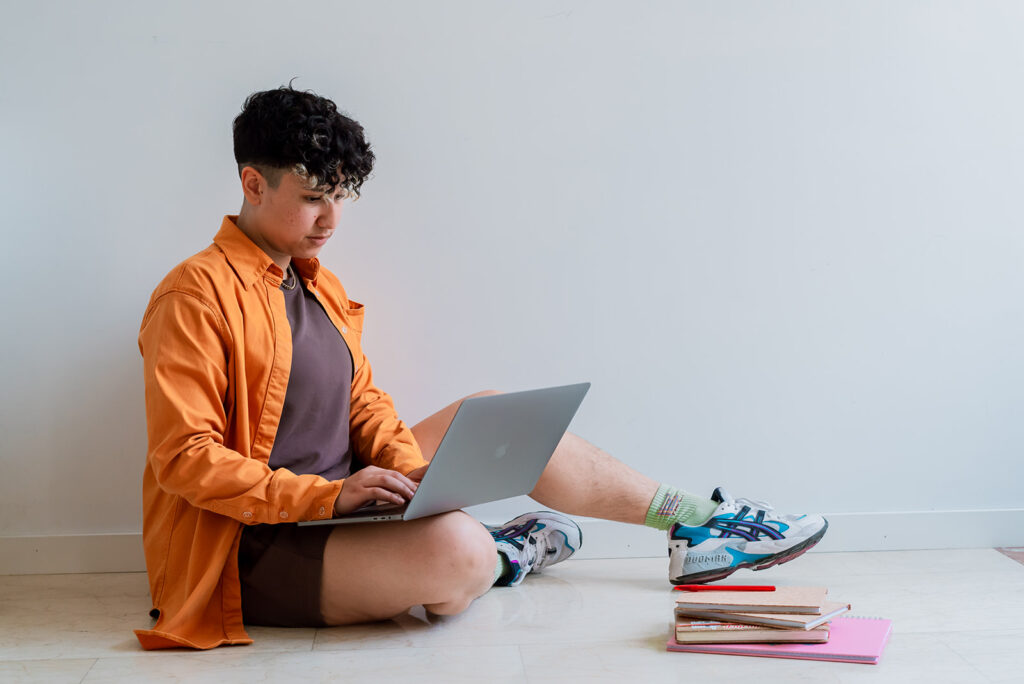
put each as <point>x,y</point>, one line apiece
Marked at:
<point>312,198</point>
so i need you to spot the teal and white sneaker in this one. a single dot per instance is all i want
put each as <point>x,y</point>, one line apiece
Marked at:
<point>534,541</point>
<point>740,534</point>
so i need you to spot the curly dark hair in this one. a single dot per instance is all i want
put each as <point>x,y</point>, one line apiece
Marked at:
<point>288,129</point>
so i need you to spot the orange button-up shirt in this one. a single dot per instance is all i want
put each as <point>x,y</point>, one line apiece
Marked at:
<point>216,347</point>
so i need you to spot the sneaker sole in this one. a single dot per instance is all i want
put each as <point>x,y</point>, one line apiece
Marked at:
<point>763,564</point>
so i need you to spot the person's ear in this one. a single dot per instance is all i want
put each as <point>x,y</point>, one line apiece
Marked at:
<point>253,185</point>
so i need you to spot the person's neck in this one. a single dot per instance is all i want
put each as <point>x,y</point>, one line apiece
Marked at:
<point>246,223</point>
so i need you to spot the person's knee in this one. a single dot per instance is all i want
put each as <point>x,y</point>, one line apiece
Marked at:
<point>484,393</point>
<point>464,555</point>
<point>464,544</point>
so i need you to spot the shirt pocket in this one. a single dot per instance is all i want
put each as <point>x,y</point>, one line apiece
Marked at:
<point>352,330</point>
<point>354,316</point>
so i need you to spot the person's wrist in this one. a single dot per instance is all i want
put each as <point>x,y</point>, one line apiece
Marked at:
<point>337,499</point>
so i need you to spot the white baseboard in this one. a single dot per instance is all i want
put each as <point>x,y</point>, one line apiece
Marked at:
<point>602,539</point>
<point>71,554</point>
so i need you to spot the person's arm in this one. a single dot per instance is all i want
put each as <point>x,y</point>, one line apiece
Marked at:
<point>186,347</point>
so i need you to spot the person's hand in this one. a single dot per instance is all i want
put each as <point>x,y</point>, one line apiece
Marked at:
<point>373,484</point>
<point>417,475</point>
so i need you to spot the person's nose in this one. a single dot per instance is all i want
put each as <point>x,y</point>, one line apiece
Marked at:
<point>330,214</point>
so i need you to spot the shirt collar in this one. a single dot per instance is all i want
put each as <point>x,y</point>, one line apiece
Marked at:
<point>251,263</point>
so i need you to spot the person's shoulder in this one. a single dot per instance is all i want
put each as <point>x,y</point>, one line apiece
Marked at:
<point>201,275</point>
<point>189,298</point>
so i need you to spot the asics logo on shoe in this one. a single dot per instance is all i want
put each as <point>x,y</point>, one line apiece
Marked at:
<point>739,526</point>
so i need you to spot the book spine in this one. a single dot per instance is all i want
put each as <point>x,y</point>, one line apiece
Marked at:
<point>710,626</point>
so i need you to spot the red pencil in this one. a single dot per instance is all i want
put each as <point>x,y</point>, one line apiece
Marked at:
<point>722,587</point>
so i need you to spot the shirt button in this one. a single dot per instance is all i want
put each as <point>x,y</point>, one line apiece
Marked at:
<point>284,515</point>
<point>247,515</point>
<point>344,329</point>
<point>322,510</point>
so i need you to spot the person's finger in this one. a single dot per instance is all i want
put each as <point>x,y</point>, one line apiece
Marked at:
<point>392,480</point>
<point>386,495</point>
<point>412,485</point>
<point>399,483</point>
<point>394,474</point>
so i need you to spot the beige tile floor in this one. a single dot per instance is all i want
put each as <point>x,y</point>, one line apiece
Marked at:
<point>957,615</point>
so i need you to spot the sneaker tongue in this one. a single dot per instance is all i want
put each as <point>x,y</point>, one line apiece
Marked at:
<point>719,495</point>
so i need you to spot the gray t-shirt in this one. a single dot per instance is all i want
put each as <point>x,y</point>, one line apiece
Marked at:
<point>312,437</point>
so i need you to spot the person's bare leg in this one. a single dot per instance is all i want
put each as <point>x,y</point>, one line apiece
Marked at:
<point>580,479</point>
<point>379,570</point>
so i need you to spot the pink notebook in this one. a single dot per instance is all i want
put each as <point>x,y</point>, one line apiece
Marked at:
<point>852,640</point>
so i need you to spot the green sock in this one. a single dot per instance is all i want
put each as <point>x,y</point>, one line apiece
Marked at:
<point>503,569</point>
<point>671,505</point>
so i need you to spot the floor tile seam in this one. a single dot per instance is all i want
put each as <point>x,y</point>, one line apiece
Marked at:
<point>86,673</point>
<point>469,644</point>
<point>952,648</point>
<point>47,660</point>
<point>1011,572</point>
<point>456,644</point>
<point>638,642</point>
<point>15,658</point>
<point>952,632</point>
<point>327,648</point>
<point>984,631</point>
<point>162,653</point>
<point>228,648</point>
<point>213,653</point>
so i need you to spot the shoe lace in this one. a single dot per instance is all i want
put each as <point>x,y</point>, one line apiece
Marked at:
<point>534,559</point>
<point>726,498</point>
<point>740,503</point>
<point>528,554</point>
<point>537,551</point>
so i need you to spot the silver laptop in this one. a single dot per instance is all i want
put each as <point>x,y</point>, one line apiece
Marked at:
<point>496,447</point>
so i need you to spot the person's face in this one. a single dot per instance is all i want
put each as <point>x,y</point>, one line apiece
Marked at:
<point>293,220</point>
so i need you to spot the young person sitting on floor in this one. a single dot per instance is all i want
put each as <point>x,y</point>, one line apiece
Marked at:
<point>261,405</point>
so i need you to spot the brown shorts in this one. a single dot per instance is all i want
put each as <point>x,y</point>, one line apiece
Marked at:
<point>280,567</point>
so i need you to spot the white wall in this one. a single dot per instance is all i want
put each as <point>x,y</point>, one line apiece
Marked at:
<point>782,239</point>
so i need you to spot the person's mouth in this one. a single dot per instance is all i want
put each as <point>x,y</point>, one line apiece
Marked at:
<point>318,239</point>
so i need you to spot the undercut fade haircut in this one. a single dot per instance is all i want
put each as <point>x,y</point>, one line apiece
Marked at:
<point>293,130</point>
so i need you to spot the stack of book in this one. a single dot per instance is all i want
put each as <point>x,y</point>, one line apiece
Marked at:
<point>783,622</point>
